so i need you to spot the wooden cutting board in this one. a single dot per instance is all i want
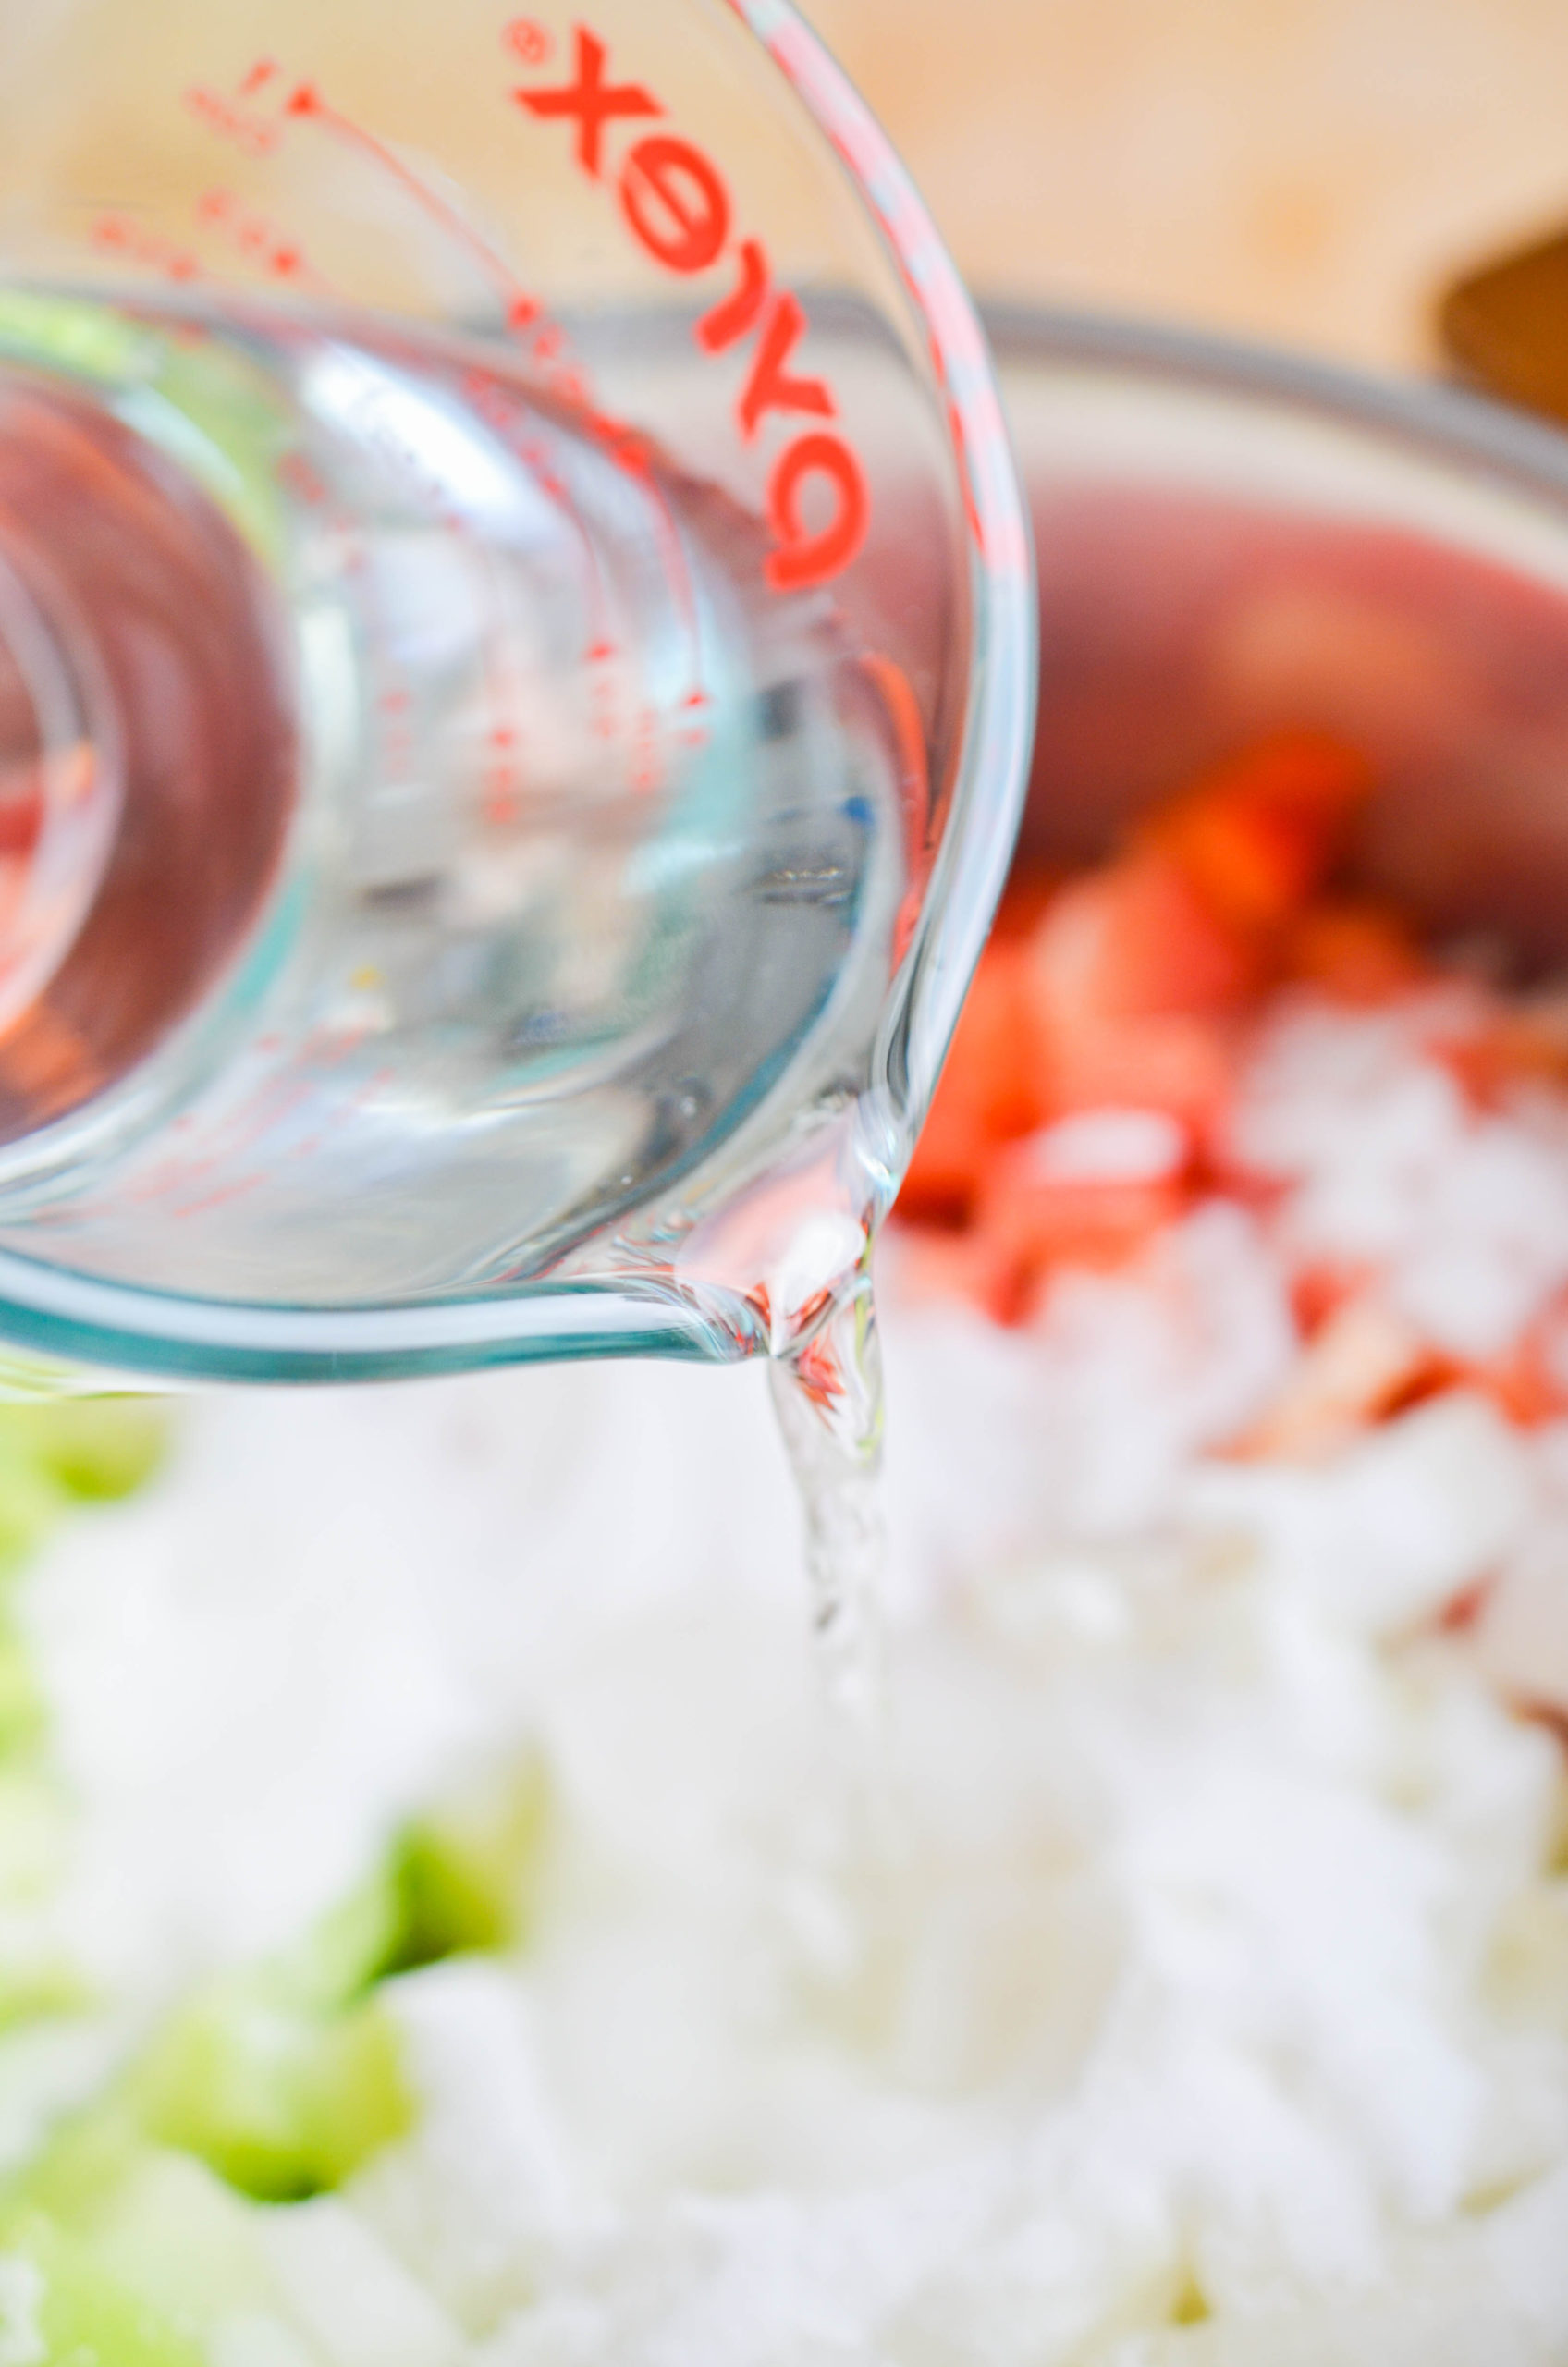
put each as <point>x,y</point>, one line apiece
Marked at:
<point>1309,170</point>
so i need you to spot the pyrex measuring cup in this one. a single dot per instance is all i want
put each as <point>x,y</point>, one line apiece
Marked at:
<point>515,666</point>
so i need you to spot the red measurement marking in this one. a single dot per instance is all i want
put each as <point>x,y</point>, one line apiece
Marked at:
<point>219,1198</point>
<point>156,1184</point>
<point>503,806</point>
<point>117,234</point>
<point>220,114</point>
<point>276,251</point>
<point>499,409</point>
<point>306,101</point>
<point>647,772</point>
<point>630,453</point>
<point>590,99</point>
<point>277,1098</point>
<point>603,704</point>
<point>258,240</point>
<point>528,41</point>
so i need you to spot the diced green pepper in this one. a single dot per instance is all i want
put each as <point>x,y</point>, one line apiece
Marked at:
<point>173,2233</point>
<point>37,1991</point>
<point>88,2317</point>
<point>462,1871</point>
<point>281,2103</point>
<point>34,1824</point>
<point>96,1448</point>
<point>344,1953</point>
<point>32,1500</point>
<point>85,2162</point>
<point>23,1715</point>
<point>353,2097</point>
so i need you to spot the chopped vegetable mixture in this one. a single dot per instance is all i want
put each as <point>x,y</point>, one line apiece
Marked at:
<point>441,1926</point>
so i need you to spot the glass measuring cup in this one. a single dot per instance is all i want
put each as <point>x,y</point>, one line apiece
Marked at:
<point>516,676</point>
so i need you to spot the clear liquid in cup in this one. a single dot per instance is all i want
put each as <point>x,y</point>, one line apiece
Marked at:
<point>497,874</point>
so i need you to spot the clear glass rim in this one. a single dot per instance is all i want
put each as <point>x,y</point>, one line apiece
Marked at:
<point>51,1311</point>
<point>991,777</point>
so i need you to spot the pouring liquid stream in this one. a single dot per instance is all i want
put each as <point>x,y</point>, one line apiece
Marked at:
<point>828,1401</point>
<point>827,1397</point>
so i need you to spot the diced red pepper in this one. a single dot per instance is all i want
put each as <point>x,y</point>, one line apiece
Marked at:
<point>1133,941</point>
<point>1365,1364</point>
<point>1261,833</point>
<point>1357,950</point>
<point>1318,1291</point>
<point>1521,1045</point>
<point>1032,1224</point>
<point>990,1091</point>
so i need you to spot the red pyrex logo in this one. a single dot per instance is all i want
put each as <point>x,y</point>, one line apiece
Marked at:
<point>677,206</point>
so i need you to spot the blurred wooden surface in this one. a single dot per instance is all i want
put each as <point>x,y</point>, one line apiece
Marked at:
<point>1308,170</point>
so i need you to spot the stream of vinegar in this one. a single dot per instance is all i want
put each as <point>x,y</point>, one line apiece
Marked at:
<point>828,1398</point>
